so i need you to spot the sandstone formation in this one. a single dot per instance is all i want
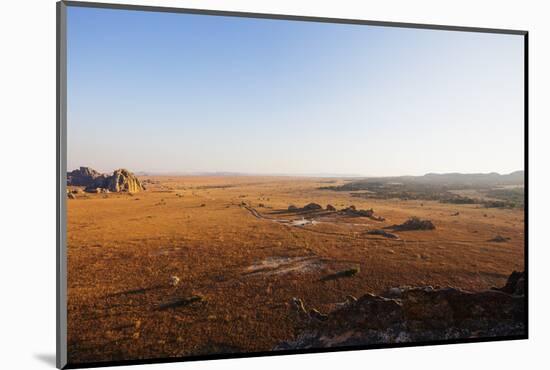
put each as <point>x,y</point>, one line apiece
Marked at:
<point>84,176</point>
<point>121,180</point>
<point>418,314</point>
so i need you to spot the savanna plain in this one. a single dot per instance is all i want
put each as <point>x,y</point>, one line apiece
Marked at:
<point>197,265</point>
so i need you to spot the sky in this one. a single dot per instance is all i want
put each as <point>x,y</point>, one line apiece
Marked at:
<point>163,92</point>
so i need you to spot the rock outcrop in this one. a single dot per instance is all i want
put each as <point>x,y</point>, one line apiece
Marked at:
<point>515,284</point>
<point>84,176</point>
<point>414,223</point>
<point>312,207</point>
<point>353,211</point>
<point>418,314</point>
<point>121,180</point>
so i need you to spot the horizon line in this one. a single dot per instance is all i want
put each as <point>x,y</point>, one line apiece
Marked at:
<point>312,175</point>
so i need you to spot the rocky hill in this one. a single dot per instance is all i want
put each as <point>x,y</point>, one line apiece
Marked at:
<point>84,176</point>
<point>415,315</point>
<point>121,180</point>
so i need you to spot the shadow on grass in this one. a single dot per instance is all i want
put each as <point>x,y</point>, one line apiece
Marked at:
<point>341,274</point>
<point>135,291</point>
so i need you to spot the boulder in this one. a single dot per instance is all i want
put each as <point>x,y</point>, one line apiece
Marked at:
<point>515,284</point>
<point>365,212</point>
<point>316,315</point>
<point>312,207</point>
<point>330,207</point>
<point>349,210</point>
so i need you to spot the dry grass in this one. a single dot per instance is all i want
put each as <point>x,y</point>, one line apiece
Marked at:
<point>124,253</point>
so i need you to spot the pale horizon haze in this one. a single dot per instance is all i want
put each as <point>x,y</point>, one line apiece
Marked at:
<point>162,92</point>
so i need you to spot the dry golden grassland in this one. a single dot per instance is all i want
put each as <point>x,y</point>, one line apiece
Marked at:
<point>200,265</point>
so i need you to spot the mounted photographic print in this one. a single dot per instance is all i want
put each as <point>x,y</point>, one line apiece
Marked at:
<point>236,184</point>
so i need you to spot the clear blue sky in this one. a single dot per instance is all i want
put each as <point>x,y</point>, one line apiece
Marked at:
<point>176,92</point>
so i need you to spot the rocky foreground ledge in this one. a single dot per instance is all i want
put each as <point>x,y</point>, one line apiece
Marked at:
<point>417,314</point>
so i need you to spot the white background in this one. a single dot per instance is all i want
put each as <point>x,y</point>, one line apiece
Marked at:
<point>27,178</point>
